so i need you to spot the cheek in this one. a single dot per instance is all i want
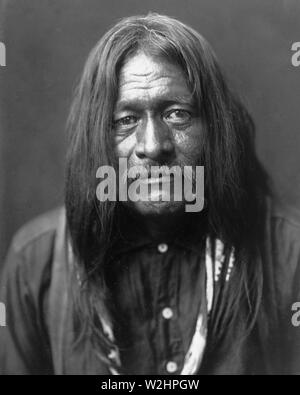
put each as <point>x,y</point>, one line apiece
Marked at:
<point>189,144</point>
<point>125,146</point>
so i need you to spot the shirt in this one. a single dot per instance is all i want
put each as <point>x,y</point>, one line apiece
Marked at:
<point>157,287</point>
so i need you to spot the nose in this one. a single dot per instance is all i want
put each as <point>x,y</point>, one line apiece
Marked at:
<point>154,141</point>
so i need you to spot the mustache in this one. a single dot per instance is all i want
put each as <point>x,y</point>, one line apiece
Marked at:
<point>136,172</point>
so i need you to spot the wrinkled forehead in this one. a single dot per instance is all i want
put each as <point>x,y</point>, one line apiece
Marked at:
<point>145,75</point>
<point>144,60</point>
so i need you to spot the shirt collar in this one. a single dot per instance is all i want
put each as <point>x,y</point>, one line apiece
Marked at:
<point>132,235</point>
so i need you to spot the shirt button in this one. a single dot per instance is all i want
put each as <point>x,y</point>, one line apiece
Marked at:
<point>167,313</point>
<point>171,367</point>
<point>162,248</point>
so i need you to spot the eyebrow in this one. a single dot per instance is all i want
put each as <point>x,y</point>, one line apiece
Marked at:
<point>158,103</point>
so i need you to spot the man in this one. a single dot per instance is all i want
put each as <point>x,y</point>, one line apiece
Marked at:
<point>141,286</point>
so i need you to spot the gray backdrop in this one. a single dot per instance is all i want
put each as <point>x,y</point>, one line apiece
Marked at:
<point>47,42</point>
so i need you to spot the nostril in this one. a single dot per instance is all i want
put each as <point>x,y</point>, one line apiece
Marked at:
<point>168,146</point>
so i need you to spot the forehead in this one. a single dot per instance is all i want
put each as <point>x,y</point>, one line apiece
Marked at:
<point>152,78</point>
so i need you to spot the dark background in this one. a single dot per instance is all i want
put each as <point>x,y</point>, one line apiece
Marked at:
<point>47,43</point>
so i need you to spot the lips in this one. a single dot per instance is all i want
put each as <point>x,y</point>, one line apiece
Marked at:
<point>158,176</point>
<point>156,180</point>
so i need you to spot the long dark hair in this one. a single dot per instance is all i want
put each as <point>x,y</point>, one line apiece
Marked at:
<point>236,184</point>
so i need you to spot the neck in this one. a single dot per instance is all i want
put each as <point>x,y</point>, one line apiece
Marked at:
<point>160,227</point>
<point>164,226</point>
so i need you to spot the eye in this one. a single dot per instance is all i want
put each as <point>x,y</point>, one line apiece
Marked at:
<point>125,122</point>
<point>179,116</point>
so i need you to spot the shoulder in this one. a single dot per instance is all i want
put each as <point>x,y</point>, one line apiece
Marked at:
<point>285,224</point>
<point>283,245</point>
<point>286,214</point>
<point>41,228</point>
<point>31,252</point>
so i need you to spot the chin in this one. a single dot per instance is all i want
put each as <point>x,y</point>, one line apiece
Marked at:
<point>157,208</point>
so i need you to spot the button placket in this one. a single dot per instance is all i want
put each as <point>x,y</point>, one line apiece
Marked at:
<point>171,352</point>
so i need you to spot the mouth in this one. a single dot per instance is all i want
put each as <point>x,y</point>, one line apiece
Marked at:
<point>153,175</point>
<point>156,180</point>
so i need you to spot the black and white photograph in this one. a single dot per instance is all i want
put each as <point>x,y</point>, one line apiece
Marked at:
<point>149,190</point>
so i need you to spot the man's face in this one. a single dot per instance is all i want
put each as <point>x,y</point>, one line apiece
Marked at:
<point>156,122</point>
